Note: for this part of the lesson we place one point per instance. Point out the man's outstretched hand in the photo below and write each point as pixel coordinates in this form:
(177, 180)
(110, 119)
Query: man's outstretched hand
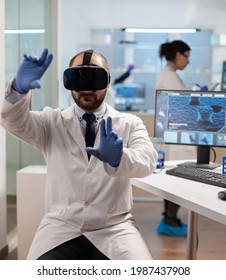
(30, 72)
(110, 148)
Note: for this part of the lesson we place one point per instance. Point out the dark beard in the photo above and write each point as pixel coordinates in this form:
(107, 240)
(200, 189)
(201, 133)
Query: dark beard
(91, 106)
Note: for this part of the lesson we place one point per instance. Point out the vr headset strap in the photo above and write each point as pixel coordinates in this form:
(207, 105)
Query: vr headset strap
(87, 57)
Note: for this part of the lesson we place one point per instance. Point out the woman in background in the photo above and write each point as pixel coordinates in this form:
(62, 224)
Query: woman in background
(177, 55)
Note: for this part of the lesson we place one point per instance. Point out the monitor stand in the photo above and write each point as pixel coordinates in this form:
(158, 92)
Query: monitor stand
(203, 157)
(210, 165)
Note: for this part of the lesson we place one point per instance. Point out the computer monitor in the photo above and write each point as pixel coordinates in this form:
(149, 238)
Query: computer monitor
(129, 96)
(223, 77)
(192, 118)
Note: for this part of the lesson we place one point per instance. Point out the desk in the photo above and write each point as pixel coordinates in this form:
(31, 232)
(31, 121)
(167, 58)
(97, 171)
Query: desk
(197, 197)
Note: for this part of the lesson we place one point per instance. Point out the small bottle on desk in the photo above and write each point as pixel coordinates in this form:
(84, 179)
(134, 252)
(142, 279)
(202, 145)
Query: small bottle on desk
(161, 160)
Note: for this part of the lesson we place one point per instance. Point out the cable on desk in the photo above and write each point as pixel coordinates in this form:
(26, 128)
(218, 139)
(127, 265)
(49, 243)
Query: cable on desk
(214, 154)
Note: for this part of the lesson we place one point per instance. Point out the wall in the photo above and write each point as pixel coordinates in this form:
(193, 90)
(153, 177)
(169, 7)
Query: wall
(3, 242)
(79, 16)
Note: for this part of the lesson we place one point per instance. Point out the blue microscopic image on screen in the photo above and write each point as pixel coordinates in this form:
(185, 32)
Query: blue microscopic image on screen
(196, 113)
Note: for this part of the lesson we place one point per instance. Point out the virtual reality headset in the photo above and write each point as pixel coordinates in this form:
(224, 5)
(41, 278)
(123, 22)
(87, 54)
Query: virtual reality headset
(86, 77)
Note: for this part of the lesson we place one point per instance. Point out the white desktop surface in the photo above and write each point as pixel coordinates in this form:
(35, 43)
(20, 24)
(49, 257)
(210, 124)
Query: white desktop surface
(198, 197)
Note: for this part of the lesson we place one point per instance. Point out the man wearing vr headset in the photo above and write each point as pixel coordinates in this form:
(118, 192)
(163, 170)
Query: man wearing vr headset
(88, 198)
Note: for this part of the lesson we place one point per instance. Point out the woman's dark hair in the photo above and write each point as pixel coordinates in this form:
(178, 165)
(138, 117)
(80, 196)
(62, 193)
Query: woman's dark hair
(169, 49)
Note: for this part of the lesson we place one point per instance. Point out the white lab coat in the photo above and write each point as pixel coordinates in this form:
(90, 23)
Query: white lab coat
(84, 197)
(169, 79)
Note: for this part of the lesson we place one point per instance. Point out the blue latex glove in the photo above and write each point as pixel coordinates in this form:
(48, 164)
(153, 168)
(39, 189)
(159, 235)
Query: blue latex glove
(203, 88)
(110, 148)
(30, 72)
(130, 68)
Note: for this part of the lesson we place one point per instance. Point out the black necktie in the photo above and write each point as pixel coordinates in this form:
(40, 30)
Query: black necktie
(90, 129)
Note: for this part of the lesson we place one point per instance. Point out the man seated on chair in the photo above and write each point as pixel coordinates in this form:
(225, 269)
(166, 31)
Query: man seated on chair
(88, 190)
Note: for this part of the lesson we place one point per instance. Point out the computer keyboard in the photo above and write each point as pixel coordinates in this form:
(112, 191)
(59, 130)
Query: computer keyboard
(198, 174)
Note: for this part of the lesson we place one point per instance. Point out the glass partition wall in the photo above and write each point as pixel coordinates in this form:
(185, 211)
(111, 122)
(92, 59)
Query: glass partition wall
(29, 28)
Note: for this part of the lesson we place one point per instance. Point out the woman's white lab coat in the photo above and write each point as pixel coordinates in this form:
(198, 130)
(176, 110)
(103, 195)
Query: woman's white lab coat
(169, 79)
(84, 197)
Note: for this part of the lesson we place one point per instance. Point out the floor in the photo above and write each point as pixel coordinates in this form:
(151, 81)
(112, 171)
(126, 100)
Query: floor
(147, 212)
(211, 234)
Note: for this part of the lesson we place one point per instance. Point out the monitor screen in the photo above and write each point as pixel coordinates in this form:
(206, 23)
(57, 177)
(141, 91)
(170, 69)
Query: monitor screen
(192, 118)
(223, 78)
(129, 96)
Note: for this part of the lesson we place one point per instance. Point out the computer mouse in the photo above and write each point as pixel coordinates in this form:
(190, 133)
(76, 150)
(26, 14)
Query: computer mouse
(222, 195)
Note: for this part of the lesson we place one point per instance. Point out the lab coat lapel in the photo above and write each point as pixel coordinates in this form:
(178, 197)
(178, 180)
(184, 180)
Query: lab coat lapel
(73, 126)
